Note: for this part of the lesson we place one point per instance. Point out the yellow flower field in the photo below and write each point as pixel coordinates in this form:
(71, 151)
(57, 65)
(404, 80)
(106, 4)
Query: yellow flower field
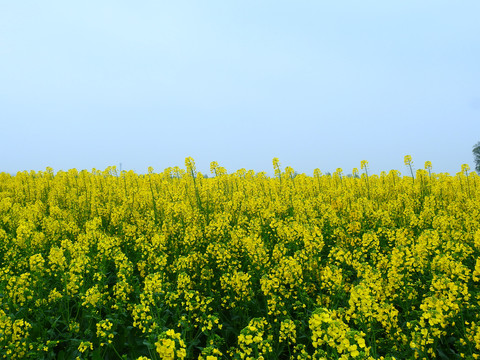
(173, 265)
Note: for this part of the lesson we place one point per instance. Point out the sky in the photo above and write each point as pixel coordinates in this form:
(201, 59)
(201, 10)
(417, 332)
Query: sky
(317, 84)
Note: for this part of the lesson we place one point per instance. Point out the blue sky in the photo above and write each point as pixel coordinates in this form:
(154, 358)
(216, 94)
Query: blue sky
(317, 84)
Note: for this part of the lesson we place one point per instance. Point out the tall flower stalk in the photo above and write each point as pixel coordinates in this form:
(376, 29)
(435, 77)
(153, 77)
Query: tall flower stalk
(364, 166)
(408, 162)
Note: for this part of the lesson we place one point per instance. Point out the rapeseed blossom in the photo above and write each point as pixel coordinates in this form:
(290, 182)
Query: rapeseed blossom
(173, 265)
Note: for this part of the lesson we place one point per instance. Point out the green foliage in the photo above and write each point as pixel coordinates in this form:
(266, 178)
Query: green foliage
(476, 156)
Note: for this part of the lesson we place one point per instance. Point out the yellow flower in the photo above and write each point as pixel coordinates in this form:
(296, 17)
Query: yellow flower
(84, 345)
(408, 160)
(37, 262)
(276, 167)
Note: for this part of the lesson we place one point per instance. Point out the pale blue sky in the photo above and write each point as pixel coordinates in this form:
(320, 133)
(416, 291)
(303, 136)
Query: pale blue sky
(89, 84)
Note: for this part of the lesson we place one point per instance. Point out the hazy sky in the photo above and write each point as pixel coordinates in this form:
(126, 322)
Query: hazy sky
(318, 84)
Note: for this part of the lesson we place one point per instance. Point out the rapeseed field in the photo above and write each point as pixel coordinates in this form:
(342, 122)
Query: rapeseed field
(173, 265)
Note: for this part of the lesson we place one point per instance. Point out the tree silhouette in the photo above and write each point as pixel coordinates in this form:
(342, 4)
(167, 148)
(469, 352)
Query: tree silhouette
(476, 156)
